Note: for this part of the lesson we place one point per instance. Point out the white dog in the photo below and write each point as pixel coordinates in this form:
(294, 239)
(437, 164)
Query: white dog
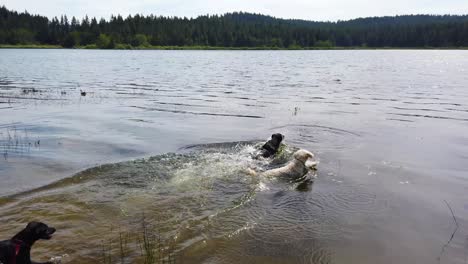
(295, 169)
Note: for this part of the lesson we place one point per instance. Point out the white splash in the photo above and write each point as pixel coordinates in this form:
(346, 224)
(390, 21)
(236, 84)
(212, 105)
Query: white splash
(58, 259)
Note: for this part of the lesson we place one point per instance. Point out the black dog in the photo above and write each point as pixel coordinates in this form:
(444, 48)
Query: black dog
(271, 146)
(18, 249)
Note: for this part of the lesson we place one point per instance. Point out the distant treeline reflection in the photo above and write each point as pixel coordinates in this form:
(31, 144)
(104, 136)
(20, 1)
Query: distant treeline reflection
(232, 30)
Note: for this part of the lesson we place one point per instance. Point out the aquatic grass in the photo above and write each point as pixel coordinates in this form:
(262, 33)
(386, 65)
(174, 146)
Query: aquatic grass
(106, 252)
(150, 247)
(153, 248)
(106, 249)
(149, 243)
(16, 141)
(123, 246)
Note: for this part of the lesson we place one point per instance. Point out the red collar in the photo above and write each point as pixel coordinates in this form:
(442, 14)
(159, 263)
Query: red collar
(18, 243)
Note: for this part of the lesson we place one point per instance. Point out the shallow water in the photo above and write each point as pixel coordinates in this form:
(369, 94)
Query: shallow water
(389, 129)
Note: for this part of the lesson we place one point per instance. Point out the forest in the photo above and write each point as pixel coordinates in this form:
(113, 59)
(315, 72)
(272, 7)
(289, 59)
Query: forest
(233, 30)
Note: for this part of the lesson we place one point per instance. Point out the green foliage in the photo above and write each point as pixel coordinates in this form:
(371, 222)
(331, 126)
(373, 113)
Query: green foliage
(22, 36)
(324, 44)
(90, 46)
(29, 46)
(233, 30)
(71, 40)
(294, 46)
(105, 42)
(123, 46)
(139, 40)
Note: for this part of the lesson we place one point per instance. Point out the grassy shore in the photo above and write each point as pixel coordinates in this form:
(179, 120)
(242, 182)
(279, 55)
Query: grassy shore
(129, 47)
(30, 46)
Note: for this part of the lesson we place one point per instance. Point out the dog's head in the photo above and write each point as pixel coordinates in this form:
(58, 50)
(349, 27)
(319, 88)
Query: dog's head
(277, 138)
(38, 230)
(303, 155)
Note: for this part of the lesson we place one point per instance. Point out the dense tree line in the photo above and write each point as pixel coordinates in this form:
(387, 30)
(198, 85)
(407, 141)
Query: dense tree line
(233, 30)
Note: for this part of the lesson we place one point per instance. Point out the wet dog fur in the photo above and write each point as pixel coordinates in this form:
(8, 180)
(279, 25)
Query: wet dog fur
(270, 148)
(295, 169)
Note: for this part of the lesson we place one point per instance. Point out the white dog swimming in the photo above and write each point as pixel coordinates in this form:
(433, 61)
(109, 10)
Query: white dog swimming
(295, 169)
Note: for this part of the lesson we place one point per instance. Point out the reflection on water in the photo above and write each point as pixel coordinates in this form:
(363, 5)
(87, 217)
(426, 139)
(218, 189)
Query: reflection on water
(389, 128)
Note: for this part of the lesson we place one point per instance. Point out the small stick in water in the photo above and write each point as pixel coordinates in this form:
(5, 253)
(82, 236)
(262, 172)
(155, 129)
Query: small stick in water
(453, 234)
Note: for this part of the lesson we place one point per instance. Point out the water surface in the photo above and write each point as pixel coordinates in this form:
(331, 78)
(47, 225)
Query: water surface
(176, 129)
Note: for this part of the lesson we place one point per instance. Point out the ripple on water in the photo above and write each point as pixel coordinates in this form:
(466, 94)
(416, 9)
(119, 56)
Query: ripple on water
(184, 193)
(204, 199)
(430, 116)
(332, 138)
(195, 113)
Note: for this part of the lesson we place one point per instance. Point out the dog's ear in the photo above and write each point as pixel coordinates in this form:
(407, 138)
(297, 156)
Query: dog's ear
(303, 155)
(32, 225)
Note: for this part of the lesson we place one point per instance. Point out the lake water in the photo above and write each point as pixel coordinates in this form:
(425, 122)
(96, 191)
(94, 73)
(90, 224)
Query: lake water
(176, 129)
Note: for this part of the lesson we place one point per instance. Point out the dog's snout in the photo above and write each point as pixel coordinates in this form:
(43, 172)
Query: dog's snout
(51, 230)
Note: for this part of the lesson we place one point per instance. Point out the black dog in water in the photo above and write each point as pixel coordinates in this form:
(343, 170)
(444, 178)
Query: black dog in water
(271, 146)
(18, 249)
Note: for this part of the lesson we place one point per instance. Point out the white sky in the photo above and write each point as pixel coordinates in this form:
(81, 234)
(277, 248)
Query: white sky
(303, 9)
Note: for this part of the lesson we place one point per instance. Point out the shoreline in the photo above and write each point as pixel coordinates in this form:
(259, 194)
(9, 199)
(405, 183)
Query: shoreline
(92, 47)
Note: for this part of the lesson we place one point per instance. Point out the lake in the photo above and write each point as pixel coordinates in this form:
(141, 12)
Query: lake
(129, 151)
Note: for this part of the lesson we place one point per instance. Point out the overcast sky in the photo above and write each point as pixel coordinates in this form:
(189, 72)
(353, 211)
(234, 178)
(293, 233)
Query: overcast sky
(303, 9)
